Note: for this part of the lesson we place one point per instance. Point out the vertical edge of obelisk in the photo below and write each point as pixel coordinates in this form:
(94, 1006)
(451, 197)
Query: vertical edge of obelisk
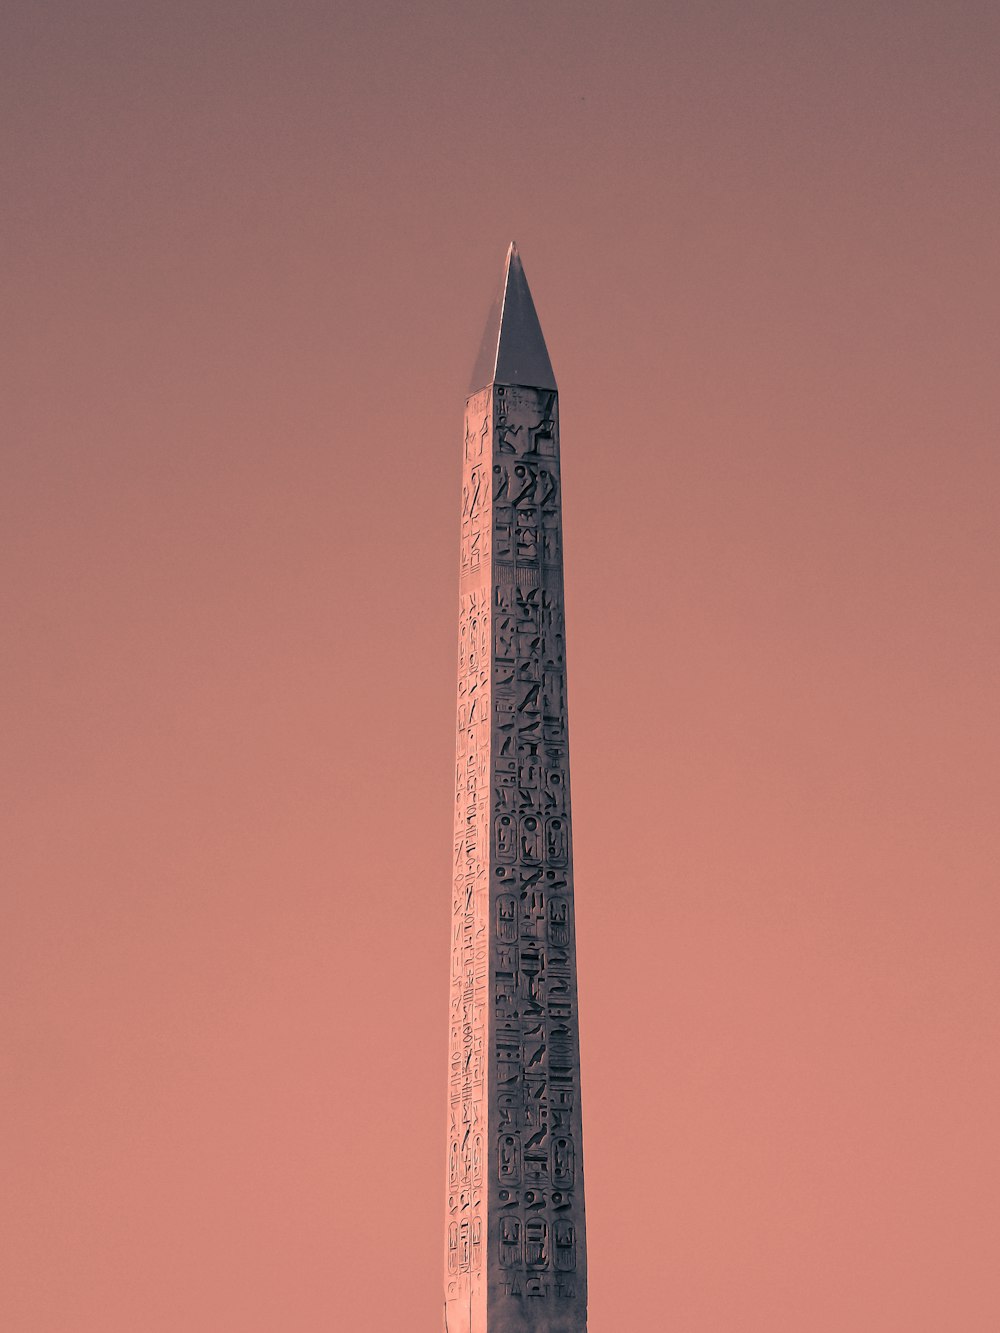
(483, 406)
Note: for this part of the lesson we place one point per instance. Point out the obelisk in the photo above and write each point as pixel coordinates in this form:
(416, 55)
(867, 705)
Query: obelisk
(516, 1258)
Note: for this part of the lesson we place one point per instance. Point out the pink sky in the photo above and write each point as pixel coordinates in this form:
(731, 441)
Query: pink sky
(248, 251)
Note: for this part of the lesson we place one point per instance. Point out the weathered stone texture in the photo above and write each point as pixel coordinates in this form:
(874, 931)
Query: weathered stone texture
(515, 1242)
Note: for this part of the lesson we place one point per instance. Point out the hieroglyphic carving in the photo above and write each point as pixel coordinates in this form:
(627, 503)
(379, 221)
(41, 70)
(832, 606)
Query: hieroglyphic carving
(516, 1255)
(538, 1259)
(467, 1110)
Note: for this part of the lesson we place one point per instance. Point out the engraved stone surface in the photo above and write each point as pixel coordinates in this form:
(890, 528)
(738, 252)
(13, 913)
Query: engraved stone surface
(515, 1246)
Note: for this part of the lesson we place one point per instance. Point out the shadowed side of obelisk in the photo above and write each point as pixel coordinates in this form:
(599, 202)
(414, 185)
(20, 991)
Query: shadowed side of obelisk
(515, 1129)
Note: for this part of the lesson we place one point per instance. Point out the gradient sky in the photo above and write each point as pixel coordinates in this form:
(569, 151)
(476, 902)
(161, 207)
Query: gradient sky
(247, 254)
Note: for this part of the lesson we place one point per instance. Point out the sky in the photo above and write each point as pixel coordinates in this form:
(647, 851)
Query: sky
(247, 253)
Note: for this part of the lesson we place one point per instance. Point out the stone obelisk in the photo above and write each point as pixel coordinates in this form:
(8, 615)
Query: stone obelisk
(515, 1250)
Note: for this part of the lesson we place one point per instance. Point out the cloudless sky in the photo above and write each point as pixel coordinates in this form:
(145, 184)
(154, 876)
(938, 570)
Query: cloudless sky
(247, 250)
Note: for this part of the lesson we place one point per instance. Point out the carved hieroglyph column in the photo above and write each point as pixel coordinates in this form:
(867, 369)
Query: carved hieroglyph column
(515, 1250)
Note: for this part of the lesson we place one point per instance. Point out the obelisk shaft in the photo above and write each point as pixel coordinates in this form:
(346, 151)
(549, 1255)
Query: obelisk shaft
(516, 1252)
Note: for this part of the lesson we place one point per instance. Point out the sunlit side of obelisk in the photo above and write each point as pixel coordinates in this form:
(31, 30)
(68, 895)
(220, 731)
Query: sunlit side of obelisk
(515, 1247)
